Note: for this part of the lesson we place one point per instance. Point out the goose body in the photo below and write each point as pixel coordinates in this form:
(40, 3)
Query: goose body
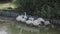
(36, 22)
(47, 23)
(41, 19)
(22, 18)
(19, 18)
(30, 20)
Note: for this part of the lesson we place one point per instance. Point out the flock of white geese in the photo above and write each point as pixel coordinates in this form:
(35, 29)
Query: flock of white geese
(24, 18)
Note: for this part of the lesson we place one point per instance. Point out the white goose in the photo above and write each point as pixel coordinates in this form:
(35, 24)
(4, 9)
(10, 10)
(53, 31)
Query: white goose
(41, 19)
(22, 18)
(46, 23)
(25, 16)
(30, 21)
(19, 18)
(38, 21)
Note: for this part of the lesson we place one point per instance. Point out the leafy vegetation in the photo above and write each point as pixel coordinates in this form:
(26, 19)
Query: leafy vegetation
(43, 8)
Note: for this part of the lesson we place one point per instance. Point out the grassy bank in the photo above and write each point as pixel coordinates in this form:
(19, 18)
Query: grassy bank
(13, 30)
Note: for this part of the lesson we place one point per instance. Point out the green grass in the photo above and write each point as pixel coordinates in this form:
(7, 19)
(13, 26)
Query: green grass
(13, 30)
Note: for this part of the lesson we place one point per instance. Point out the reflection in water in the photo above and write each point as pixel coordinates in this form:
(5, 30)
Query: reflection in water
(28, 28)
(3, 30)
